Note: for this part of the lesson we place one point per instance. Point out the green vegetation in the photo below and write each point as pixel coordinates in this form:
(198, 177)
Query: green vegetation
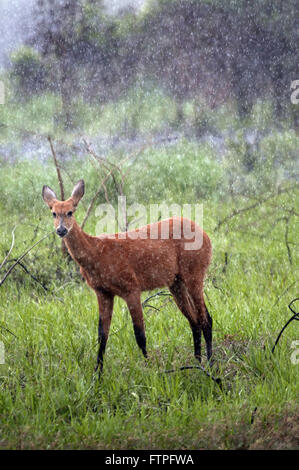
(28, 72)
(192, 100)
(220, 52)
(145, 110)
(49, 395)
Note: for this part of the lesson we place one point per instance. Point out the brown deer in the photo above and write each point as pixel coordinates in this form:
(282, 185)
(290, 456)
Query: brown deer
(127, 263)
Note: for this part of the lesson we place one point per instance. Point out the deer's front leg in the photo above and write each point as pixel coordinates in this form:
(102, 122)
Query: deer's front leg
(105, 301)
(135, 308)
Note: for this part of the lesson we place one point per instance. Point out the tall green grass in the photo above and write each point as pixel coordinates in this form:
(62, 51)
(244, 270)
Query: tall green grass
(50, 396)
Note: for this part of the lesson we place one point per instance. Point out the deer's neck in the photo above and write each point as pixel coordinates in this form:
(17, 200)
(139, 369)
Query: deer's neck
(80, 247)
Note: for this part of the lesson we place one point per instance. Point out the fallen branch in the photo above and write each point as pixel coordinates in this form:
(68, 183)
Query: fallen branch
(295, 316)
(215, 379)
(158, 294)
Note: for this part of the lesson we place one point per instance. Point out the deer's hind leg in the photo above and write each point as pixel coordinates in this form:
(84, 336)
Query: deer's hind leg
(195, 289)
(105, 301)
(135, 308)
(185, 304)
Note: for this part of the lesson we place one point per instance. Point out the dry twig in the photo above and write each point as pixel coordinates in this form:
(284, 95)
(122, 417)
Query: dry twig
(57, 169)
(21, 257)
(112, 168)
(295, 316)
(11, 247)
(256, 204)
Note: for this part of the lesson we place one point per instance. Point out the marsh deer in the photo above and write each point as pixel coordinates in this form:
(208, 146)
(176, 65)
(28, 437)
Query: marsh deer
(125, 264)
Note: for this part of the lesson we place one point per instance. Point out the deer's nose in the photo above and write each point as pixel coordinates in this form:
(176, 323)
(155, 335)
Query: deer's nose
(61, 231)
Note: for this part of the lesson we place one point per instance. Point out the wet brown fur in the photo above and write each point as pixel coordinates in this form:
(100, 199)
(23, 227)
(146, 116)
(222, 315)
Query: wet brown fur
(118, 265)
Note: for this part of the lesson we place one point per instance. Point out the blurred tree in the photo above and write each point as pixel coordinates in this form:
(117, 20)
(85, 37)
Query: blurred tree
(28, 72)
(110, 57)
(234, 49)
(56, 37)
(204, 50)
(263, 51)
(89, 52)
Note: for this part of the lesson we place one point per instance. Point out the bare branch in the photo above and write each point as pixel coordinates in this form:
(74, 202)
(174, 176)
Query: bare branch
(115, 168)
(30, 274)
(295, 316)
(158, 294)
(57, 168)
(286, 238)
(63, 246)
(92, 202)
(21, 257)
(11, 247)
(257, 203)
(215, 379)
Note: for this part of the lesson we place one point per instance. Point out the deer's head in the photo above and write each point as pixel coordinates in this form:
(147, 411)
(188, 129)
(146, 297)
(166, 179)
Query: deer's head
(63, 211)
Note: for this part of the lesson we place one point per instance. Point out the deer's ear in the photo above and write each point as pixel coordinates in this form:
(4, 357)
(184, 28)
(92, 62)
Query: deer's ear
(49, 196)
(78, 192)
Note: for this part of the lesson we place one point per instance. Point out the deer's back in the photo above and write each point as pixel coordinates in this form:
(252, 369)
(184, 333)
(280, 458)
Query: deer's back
(153, 255)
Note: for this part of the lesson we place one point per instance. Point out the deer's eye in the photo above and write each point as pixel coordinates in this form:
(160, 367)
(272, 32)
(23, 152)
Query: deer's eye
(69, 214)
(54, 214)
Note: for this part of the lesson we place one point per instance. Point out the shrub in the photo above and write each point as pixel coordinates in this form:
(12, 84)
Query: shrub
(185, 172)
(28, 72)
